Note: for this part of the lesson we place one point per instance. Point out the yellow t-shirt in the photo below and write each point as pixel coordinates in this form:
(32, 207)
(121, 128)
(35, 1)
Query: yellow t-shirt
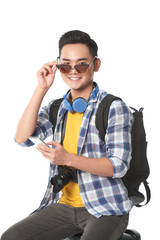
(70, 193)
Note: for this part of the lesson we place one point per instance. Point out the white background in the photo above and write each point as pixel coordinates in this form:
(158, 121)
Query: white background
(128, 36)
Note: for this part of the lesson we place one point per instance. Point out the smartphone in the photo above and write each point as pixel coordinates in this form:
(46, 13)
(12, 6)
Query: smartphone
(38, 140)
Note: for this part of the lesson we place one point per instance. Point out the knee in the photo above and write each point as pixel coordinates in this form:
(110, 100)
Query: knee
(11, 234)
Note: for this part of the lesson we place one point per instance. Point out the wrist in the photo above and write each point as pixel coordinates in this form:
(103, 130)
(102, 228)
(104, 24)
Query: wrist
(41, 91)
(70, 159)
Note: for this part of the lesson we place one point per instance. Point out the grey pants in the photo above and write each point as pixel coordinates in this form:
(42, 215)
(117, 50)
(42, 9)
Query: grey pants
(59, 221)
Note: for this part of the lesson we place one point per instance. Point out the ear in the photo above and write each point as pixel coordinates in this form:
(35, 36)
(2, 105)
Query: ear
(97, 64)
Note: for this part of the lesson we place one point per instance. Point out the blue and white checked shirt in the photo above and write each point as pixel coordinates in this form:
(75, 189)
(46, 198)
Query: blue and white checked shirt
(100, 195)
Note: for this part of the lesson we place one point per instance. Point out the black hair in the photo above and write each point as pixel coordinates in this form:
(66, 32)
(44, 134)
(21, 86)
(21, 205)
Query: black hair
(76, 36)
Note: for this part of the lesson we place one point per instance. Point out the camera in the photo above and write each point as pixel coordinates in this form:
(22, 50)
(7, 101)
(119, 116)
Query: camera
(64, 176)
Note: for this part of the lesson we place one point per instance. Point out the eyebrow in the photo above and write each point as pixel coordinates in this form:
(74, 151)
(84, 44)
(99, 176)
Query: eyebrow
(79, 59)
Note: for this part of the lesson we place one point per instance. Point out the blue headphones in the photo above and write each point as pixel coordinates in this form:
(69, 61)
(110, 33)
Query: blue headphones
(79, 104)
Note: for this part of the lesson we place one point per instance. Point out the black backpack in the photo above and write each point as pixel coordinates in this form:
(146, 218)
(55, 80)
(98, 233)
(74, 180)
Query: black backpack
(139, 168)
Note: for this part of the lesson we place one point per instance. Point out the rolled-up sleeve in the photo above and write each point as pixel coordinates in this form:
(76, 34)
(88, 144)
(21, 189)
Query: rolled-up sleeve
(118, 137)
(43, 126)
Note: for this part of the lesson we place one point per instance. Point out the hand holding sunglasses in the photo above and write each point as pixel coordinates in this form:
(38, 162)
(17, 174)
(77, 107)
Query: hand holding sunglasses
(80, 68)
(46, 74)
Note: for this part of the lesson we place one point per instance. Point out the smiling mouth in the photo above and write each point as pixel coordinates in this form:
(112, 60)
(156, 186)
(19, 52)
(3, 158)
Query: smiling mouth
(74, 78)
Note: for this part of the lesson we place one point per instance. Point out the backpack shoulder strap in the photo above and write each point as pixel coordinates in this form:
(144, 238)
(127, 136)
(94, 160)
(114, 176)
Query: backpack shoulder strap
(102, 114)
(148, 193)
(54, 111)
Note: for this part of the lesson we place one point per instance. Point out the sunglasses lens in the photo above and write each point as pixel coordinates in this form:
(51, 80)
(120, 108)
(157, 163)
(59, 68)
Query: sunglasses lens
(81, 68)
(64, 68)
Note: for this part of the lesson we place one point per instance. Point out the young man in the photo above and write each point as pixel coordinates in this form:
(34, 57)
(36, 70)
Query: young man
(97, 204)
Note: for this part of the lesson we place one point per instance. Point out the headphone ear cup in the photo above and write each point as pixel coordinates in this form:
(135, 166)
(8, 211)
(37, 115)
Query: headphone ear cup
(79, 105)
(68, 106)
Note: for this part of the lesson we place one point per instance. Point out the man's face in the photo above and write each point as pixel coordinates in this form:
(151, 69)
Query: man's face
(73, 54)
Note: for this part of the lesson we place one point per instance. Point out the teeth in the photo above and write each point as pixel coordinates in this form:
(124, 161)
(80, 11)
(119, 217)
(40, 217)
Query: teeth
(74, 79)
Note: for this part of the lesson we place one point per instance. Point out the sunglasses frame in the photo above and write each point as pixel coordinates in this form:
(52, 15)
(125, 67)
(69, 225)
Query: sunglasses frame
(75, 66)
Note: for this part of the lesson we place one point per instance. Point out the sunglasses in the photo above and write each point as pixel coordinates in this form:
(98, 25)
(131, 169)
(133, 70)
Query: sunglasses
(80, 68)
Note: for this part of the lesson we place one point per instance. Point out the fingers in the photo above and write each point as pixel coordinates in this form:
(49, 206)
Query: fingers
(47, 68)
(55, 155)
(44, 148)
(46, 151)
(46, 74)
(51, 64)
(53, 143)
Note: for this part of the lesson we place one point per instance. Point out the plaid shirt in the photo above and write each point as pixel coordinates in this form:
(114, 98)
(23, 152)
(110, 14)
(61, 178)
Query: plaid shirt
(100, 195)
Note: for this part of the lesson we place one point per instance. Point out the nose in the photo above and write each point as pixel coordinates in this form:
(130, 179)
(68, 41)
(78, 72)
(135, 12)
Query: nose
(73, 70)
